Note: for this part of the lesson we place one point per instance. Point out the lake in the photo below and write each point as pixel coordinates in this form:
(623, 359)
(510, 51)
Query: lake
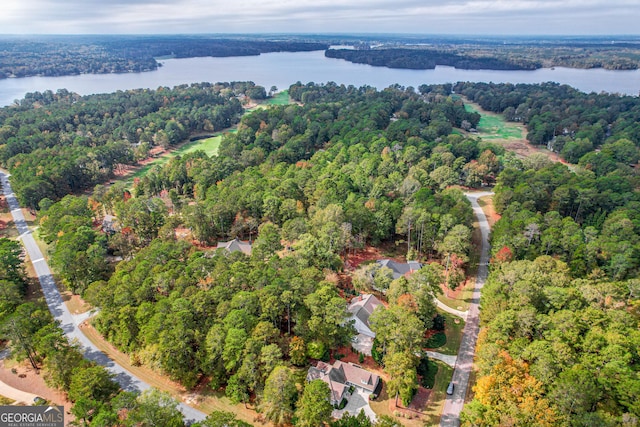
(284, 68)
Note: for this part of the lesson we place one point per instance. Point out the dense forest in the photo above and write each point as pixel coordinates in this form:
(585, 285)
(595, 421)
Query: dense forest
(494, 53)
(560, 309)
(596, 131)
(426, 59)
(97, 398)
(60, 143)
(308, 184)
(312, 182)
(22, 56)
(70, 55)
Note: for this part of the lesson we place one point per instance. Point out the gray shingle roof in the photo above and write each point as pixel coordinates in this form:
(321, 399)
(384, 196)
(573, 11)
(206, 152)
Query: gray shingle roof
(362, 307)
(399, 269)
(339, 374)
(236, 245)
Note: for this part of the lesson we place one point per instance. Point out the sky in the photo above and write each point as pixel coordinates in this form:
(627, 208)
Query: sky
(478, 17)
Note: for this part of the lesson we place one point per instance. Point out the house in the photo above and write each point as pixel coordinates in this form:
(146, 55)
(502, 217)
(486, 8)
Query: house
(236, 245)
(109, 224)
(361, 308)
(400, 269)
(341, 376)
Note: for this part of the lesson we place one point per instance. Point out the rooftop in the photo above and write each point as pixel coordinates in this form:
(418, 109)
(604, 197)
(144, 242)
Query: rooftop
(362, 307)
(400, 269)
(236, 245)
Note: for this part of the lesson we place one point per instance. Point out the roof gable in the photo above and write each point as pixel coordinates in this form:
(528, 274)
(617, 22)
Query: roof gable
(333, 377)
(236, 245)
(338, 375)
(362, 307)
(356, 375)
(400, 269)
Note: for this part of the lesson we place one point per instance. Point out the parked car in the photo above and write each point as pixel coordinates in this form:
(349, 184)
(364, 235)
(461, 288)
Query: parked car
(39, 401)
(450, 388)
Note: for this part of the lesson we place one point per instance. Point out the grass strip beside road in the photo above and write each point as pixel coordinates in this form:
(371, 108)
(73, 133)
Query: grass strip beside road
(486, 203)
(453, 331)
(436, 400)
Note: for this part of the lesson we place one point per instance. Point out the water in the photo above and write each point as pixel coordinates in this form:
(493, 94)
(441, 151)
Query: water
(283, 69)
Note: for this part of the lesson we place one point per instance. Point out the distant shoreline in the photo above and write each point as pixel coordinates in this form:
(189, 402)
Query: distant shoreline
(57, 56)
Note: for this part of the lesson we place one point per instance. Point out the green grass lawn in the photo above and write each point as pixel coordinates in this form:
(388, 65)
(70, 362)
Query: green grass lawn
(209, 145)
(453, 331)
(462, 302)
(494, 126)
(436, 401)
(146, 168)
(280, 98)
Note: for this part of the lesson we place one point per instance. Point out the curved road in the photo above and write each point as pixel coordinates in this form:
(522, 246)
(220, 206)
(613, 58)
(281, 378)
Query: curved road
(464, 364)
(60, 312)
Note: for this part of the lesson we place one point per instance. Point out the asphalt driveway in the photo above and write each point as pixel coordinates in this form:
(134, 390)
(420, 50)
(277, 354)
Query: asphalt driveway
(358, 401)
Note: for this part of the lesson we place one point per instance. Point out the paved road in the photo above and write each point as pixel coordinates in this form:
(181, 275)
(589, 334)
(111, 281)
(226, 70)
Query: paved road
(453, 404)
(60, 312)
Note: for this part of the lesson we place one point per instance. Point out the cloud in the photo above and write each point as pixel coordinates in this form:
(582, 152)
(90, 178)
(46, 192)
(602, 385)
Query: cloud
(402, 16)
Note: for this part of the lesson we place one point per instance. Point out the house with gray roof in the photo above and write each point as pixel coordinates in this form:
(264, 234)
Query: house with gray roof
(361, 307)
(340, 376)
(236, 245)
(400, 269)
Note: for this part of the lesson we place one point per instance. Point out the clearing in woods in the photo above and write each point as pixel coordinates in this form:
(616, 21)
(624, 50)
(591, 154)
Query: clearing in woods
(512, 136)
(493, 126)
(209, 145)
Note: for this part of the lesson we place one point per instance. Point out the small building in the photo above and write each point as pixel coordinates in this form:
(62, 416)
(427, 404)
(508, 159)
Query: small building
(400, 269)
(361, 308)
(109, 225)
(341, 376)
(235, 245)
